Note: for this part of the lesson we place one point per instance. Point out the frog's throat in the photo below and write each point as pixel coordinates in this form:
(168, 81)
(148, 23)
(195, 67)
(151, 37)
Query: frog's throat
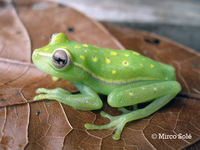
(110, 81)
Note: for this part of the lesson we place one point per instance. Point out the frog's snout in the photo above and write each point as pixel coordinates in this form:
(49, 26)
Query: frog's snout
(35, 56)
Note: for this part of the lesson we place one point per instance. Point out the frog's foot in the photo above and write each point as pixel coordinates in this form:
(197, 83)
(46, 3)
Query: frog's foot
(116, 122)
(54, 94)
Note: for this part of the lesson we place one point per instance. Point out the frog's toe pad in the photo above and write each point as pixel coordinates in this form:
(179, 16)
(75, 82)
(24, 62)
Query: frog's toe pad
(38, 97)
(90, 126)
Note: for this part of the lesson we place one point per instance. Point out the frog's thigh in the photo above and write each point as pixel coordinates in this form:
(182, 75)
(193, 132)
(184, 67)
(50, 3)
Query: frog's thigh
(142, 92)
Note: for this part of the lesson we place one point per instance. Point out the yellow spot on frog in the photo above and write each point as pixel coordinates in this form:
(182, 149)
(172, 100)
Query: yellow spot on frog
(143, 59)
(63, 47)
(135, 53)
(151, 65)
(95, 51)
(125, 63)
(82, 57)
(113, 53)
(113, 71)
(46, 49)
(85, 45)
(126, 55)
(77, 46)
(141, 65)
(94, 59)
(155, 89)
(131, 93)
(107, 60)
(166, 78)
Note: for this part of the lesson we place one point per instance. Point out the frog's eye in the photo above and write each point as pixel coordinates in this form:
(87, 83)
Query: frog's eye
(52, 36)
(60, 59)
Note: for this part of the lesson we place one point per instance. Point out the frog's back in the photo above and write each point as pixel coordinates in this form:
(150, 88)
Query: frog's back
(118, 67)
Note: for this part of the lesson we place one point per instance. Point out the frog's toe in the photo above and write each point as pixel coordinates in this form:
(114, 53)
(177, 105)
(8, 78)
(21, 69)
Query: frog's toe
(121, 121)
(47, 96)
(90, 126)
(38, 97)
(98, 127)
(123, 110)
(106, 115)
(58, 91)
(41, 90)
(116, 125)
(35, 98)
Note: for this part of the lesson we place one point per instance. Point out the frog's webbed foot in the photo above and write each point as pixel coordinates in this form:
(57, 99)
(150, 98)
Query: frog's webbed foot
(116, 122)
(55, 94)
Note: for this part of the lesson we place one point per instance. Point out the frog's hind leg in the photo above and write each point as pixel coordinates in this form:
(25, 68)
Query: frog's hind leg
(160, 93)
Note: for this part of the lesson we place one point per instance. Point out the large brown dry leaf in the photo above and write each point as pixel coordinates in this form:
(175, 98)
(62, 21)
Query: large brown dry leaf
(50, 125)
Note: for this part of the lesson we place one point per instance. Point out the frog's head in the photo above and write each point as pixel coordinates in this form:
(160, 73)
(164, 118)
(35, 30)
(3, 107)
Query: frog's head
(55, 59)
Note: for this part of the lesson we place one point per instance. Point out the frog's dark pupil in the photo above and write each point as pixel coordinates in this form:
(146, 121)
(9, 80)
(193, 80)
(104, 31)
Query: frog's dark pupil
(59, 60)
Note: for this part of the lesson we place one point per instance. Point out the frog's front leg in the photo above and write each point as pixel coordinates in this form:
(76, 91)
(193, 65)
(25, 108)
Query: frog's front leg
(87, 100)
(159, 92)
